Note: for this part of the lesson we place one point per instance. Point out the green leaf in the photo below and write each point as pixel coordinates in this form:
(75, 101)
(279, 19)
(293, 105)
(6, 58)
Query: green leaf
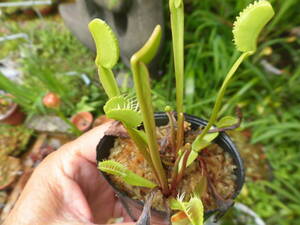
(200, 144)
(193, 209)
(140, 139)
(107, 55)
(115, 102)
(197, 146)
(190, 87)
(126, 110)
(177, 27)
(201, 186)
(149, 50)
(143, 91)
(174, 204)
(129, 117)
(112, 167)
(177, 3)
(136, 180)
(141, 136)
(227, 121)
(115, 168)
(123, 109)
(250, 23)
(192, 157)
(106, 42)
(108, 82)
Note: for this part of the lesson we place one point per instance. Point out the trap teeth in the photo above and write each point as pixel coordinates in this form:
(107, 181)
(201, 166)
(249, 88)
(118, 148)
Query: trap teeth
(249, 24)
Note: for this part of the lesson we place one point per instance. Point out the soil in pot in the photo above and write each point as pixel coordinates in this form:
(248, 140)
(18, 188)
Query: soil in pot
(214, 168)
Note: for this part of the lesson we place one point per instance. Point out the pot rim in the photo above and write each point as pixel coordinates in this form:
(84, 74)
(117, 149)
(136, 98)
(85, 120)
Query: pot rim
(84, 115)
(9, 112)
(222, 138)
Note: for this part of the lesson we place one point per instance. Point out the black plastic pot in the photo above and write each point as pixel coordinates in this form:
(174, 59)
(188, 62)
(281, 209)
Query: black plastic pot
(135, 207)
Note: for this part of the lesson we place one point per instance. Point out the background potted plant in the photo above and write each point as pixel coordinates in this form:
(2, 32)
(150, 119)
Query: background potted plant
(35, 99)
(10, 112)
(82, 120)
(183, 142)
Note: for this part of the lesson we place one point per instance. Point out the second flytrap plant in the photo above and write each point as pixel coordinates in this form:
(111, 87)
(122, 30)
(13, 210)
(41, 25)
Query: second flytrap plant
(133, 112)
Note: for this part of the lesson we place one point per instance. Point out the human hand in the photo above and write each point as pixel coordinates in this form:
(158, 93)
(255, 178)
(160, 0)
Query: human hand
(66, 188)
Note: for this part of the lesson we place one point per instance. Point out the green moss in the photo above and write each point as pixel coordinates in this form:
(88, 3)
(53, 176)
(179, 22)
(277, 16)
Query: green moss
(14, 139)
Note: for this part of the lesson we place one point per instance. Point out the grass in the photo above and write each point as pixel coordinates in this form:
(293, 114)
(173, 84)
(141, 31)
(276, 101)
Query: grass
(53, 60)
(270, 103)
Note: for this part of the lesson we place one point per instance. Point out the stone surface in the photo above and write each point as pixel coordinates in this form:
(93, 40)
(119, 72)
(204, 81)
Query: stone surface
(76, 18)
(47, 124)
(133, 26)
(114, 5)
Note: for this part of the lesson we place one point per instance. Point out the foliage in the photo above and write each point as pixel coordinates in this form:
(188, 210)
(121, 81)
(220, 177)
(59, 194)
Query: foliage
(193, 209)
(115, 168)
(246, 29)
(269, 102)
(254, 17)
(177, 25)
(40, 59)
(13, 139)
(106, 42)
(250, 23)
(143, 91)
(30, 99)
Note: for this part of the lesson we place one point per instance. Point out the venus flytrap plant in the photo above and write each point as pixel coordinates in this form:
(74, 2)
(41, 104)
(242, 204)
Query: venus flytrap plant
(190, 212)
(119, 107)
(247, 28)
(177, 25)
(143, 92)
(115, 168)
(108, 53)
(126, 110)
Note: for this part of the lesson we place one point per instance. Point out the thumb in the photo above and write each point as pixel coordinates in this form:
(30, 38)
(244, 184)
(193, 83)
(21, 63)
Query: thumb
(93, 224)
(86, 144)
(124, 223)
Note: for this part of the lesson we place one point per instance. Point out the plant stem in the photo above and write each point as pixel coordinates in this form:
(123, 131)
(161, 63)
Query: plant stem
(177, 25)
(143, 91)
(142, 148)
(74, 129)
(108, 82)
(180, 131)
(174, 177)
(184, 162)
(172, 127)
(221, 93)
(176, 174)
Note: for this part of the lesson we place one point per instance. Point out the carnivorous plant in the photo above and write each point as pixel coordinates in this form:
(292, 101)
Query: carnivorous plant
(133, 112)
